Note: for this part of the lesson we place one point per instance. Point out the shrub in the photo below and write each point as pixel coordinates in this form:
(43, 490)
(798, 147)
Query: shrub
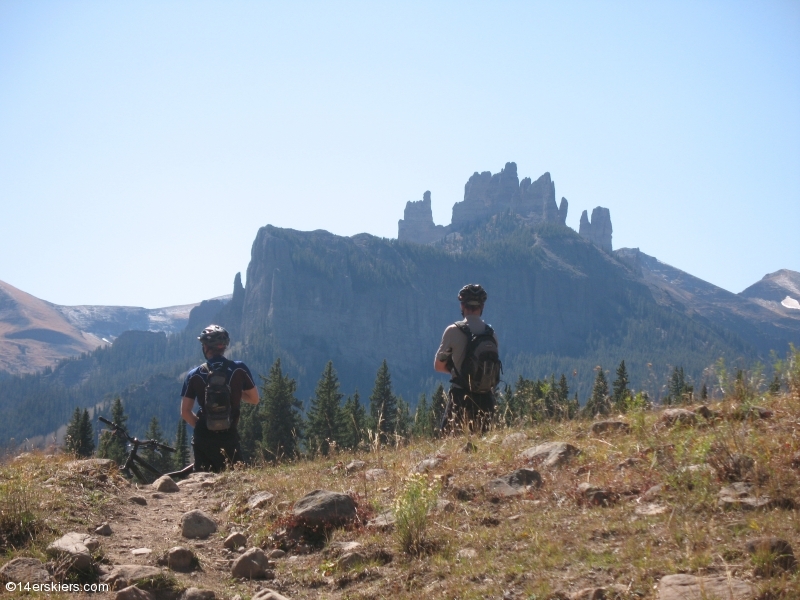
(19, 514)
(411, 508)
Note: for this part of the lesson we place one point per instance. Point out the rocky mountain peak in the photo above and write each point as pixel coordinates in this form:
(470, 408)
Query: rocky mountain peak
(599, 229)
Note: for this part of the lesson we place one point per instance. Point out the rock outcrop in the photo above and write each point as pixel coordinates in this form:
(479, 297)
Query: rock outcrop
(417, 223)
(598, 230)
(486, 195)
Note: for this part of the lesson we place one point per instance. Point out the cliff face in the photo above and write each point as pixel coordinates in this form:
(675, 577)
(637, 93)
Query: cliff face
(486, 195)
(598, 230)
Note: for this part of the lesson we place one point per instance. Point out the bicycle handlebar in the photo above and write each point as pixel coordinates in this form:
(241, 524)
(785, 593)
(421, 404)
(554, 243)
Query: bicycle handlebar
(119, 430)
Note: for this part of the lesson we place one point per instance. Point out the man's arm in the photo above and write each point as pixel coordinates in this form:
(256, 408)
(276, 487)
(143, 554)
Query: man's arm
(187, 404)
(442, 359)
(440, 366)
(250, 396)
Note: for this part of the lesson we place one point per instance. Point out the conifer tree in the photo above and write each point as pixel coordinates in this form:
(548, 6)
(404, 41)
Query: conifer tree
(87, 435)
(678, 389)
(423, 422)
(182, 456)
(355, 422)
(383, 404)
(704, 392)
(325, 421)
(160, 460)
(438, 406)
(621, 393)
(250, 431)
(563, 389)
(72, 440)
(598, 403)
(402, 422)
(282, 424)
(113, 446)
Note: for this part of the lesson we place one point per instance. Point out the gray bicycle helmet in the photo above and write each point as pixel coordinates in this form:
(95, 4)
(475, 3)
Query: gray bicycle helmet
(215, 336)
(472, 294)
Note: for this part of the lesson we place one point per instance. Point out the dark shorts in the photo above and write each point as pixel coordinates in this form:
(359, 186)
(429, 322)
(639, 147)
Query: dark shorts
(215, 450)
(468, 411)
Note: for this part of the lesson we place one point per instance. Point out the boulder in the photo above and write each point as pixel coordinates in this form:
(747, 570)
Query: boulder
(773, 555)
(596, 495)
(742, 495)
(235, 540)
(140, 500)
(602, 427)
(24, 570)
(181, 559)
(689, 587)
(276, 553)
(133, 593)
(324, 509)
(104, 529)
(268, 594)
(259, 500)
(197, 524)
(76, 547)
(253, 564)
(467, 553)
(166, 485)
(345, 547)
(705, 412)
(123, 576)
(673, 416)
(550, 454)
(383, 522)
(513, 483)
(350, 560)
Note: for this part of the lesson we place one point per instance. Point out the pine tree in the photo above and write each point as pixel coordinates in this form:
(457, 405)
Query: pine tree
(182, 456)
(402, 422)
(250, 431)
(423, 423)
(86, 434)
(282, 424)
(72, 440)
(383, 404)
(438, 406)
(160, 460)
(598, 403)
(677, 387)
(704, 392)
(621, 392)
(325, 422)
(775, 385)
(113, 446)
(355, 422)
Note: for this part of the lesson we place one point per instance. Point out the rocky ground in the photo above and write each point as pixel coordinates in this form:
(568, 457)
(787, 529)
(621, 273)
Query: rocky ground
(697, 502)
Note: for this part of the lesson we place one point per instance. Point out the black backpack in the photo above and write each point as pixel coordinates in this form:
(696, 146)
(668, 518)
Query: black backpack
(217, 409)
(480, 371)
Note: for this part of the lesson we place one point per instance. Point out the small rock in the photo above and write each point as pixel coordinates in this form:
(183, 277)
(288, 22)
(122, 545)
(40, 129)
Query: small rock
(181, 559)
(672, 416)
(24, 570)
(284, 505)
(259, 500)
(197, 524)
(383, 522)
(689, 587)
(444, 506)
(610, 426)
(514, 439)
(276, 553)
(774, 555)
(739, 495)
(628, 463)
(104, 529)
(344, 547)
(653, 492)
(268, 594)
(323, 508)
(140, 500)
(705, 412)
(467, 553)
(141, 551)
(253, 564)
(350, 560)
(550, 454)
(650, 509)
(194, 593)
(133, 593)
(235, 540)
(596, 495)
(375, 474)
(611, 592)
(355, 465)
(469, 448)
(429, 464)
(123, 576)
(166, 484)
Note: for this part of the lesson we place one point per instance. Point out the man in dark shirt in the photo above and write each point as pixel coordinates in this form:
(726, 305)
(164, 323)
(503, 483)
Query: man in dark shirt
(214, 449)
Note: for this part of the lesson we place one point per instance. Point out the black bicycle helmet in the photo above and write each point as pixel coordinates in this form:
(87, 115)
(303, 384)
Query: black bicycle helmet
(472, 294)
(215, 336)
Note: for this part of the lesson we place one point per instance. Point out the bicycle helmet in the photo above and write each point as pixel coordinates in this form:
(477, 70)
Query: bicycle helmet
(215, 336)
(472, 294)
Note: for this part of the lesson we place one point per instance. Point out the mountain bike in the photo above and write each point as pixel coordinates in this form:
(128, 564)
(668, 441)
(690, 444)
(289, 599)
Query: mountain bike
(133, 461)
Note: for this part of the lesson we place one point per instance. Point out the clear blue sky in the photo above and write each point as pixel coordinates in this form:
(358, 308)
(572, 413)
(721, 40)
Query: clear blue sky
(142, 144)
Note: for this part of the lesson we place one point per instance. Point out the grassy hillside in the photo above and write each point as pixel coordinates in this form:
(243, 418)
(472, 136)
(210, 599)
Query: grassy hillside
(549, 541)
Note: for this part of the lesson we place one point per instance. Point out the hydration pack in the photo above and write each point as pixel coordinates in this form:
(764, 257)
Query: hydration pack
(217, 409)
(480, 371)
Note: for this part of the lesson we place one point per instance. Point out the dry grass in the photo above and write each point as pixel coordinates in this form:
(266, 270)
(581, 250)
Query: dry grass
(548, 540)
